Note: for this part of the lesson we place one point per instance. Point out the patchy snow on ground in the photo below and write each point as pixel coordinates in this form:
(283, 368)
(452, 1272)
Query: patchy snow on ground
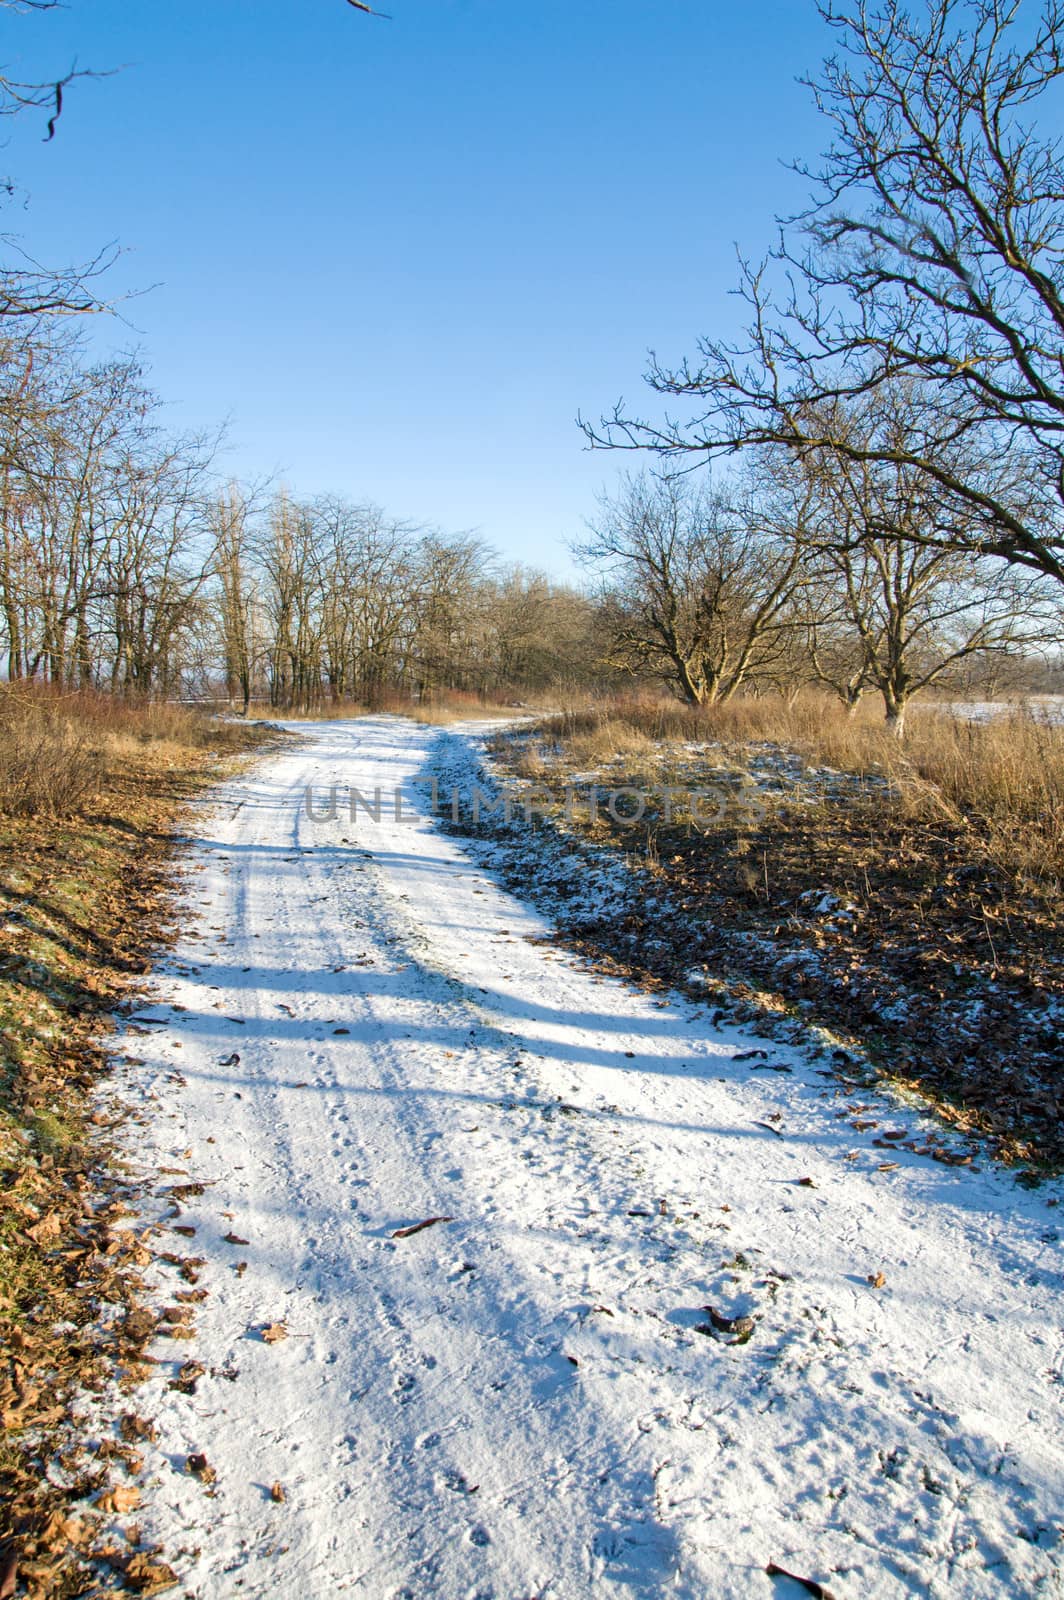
(678, 1318)
(1042, 707)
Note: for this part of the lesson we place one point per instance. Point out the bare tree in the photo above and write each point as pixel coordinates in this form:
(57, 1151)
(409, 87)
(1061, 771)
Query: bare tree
(99, 520)
(543, 633)
(450, 639)
(158, 560)
(232, 533)
(933, 251)
(693, 594)
(903, 616)
(887, 610)
(368, 597)
(289, 557)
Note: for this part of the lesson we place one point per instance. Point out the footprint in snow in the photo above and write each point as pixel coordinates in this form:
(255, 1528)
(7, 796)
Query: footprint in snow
(405, 1384)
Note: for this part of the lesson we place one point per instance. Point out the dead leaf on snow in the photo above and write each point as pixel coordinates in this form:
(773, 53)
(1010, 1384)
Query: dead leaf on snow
(188, 1375)
(418, 1227)
(149, 1577)
(120, 1500)
(132, 1428)
(273, 1332)
(877, 1279)
(741, 1328)
(277, 1494)
(810, 1585)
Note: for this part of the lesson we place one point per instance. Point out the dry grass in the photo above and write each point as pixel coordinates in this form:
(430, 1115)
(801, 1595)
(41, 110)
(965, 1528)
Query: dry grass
(905, 895)
(437, 710)
(1004, 777)
(91, 793)
(60, 749)
(451, 705)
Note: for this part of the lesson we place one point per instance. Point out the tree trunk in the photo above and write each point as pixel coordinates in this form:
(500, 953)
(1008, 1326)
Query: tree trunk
(896, 718)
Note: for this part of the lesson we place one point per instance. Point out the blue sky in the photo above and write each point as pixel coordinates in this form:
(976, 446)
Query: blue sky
(400, 256)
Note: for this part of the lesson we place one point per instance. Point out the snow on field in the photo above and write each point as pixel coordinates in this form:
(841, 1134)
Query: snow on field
(1047, 708)
(359, 1031)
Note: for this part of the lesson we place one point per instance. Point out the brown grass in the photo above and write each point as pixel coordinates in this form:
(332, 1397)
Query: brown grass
(905, 895)
(445, 706)
(1004, 778)
(91, 794)
(59, 749)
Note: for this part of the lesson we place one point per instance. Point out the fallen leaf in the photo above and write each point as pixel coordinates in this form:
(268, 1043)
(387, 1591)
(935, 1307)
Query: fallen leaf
(273, 1332)
(120, 1500)
(417, 1227)
(741, 1327)
(148, 1576)
(234, 1238)
(877, 1279)
(277, 1494)
(188, 1374)
(132, 1428)
(810, 1585)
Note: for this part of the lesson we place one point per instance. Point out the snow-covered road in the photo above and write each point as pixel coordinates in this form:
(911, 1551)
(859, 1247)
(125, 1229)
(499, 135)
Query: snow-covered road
(359, 1030)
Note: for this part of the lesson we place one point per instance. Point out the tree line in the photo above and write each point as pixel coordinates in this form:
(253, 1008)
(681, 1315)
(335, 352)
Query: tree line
(889, 517)
(126, 564)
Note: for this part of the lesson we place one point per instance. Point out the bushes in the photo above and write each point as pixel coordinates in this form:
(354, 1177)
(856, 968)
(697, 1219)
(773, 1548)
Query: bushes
(49, 764)
(57, 750)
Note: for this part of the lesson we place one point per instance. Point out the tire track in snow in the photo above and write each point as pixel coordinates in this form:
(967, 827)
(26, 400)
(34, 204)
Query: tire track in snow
(518, 1402)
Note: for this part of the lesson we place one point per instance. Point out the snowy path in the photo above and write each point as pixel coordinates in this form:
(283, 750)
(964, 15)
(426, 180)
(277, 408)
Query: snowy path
(516, 1403)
